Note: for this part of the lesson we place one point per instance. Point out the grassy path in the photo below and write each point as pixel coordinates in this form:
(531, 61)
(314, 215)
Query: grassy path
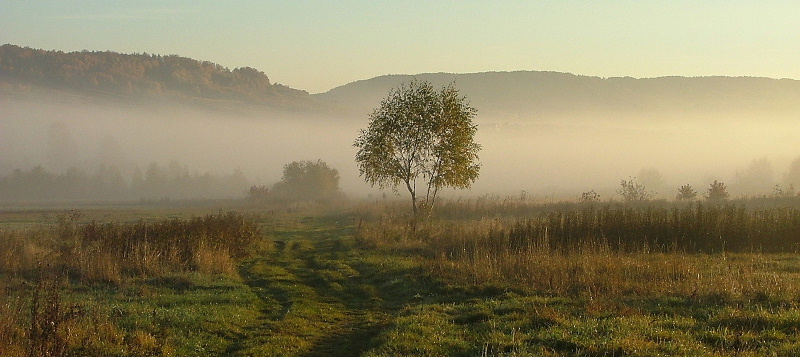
(321, 295)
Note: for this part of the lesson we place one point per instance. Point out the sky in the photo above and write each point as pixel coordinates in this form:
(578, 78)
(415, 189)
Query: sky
(319, 45)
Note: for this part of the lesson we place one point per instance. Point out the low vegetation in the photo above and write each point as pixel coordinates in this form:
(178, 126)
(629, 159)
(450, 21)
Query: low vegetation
(79, 288)
(111, 252)
(634, 248)
(485, 277)
(596, 282)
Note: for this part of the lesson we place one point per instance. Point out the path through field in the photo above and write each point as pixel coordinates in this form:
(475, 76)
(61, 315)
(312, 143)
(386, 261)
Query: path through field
(321, 295)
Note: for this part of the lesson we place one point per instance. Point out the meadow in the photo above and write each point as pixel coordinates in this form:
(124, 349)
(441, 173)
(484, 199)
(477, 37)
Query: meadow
(482, 277)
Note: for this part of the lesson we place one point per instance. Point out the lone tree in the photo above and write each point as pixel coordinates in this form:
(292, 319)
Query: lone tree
(422, 136)
(717, 192)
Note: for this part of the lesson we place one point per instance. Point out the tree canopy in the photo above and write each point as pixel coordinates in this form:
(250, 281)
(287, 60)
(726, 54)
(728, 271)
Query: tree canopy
(308, 181)
(420, 137)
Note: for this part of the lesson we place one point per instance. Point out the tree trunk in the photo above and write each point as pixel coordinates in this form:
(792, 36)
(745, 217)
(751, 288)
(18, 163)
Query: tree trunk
(413, 193)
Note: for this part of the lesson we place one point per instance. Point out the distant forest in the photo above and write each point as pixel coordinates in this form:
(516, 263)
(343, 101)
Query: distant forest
(106, 183)
(517, 94)
(146, 75)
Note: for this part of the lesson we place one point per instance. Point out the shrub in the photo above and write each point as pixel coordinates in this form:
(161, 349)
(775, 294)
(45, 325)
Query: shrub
(633, 191)
(258, 192)
(717, 192)
(308, 181)
(589, 197)
(686, 193)
(779, 191)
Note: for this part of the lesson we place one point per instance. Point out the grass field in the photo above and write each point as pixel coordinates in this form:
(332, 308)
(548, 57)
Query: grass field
(480, 279)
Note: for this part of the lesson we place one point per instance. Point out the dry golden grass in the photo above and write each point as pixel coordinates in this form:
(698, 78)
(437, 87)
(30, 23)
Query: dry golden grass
(11, 330)
(111, 252)
(19, 253)
(486, 252)
(208, 260)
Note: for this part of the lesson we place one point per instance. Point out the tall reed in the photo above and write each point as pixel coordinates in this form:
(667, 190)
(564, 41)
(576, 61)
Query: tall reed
(109, 252)
(692, 251)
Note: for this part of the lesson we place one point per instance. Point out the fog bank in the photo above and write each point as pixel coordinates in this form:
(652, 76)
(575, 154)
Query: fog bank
(547, 157)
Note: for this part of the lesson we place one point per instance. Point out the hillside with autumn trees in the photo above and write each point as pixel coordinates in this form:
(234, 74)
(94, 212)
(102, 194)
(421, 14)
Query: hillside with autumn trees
(141, 76)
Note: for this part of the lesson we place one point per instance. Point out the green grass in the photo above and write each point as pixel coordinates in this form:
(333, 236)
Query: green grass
(329, 290)
(326, 296)
(189, 314)
(511, 324)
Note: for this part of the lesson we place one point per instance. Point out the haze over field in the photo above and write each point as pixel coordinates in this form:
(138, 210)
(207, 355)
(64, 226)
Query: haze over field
(722, 113)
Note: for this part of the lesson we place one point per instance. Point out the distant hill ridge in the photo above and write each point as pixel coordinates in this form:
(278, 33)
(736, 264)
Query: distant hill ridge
(518, 94)
(140, 75)
(553, 93)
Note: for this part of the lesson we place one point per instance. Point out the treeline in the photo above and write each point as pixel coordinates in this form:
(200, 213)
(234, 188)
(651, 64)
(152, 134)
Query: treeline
(302, 181)
(107, 183)
(140, 74)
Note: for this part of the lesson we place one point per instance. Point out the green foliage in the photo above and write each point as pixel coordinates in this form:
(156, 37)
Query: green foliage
(420, 134)
(308, 181)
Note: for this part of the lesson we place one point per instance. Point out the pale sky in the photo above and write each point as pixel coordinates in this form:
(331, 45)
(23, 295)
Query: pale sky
(318, 45)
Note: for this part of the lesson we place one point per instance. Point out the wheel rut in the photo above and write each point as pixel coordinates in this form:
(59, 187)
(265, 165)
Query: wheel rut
(322, 297)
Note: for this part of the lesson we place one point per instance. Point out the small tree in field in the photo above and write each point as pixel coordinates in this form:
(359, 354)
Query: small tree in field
(686, 193)
(792, 176)
(717, 192)
(422, 139)
(258, 192)
(590, 197)
(779, 191)
(307, 181)
(633, 191)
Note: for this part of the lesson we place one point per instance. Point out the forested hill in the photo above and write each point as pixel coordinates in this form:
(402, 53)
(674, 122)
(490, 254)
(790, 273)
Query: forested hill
(527, 94)
(141, 76)
(520, 94)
